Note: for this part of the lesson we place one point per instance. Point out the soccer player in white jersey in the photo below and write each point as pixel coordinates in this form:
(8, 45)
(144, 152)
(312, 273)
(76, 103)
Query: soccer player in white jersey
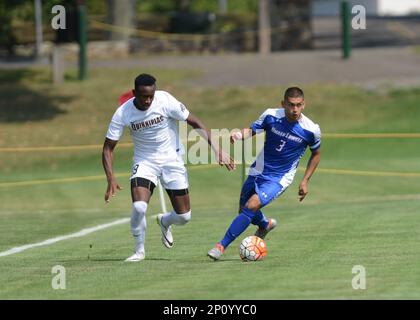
(288, 133)
(152, 117)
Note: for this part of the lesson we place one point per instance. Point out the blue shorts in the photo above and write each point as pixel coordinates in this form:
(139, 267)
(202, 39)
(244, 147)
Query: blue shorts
(267, 190)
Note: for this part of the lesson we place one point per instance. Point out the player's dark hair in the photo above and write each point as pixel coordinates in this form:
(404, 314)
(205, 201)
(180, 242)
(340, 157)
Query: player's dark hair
(293, 92)
(144, 79)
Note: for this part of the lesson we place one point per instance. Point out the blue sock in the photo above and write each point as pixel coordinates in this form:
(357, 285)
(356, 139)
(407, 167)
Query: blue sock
(238, 225)
(260, 220)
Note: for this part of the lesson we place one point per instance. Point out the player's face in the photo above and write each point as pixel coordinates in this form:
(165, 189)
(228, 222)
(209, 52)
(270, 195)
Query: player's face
(144, 95)
(293, 108)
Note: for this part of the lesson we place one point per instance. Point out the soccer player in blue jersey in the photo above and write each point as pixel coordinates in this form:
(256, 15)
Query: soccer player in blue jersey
(288, 133)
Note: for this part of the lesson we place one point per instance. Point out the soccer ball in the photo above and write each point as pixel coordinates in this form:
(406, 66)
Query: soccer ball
(252, 248)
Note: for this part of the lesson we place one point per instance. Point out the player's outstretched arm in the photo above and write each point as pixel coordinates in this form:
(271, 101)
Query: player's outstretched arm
(107, 160)
(222, 157)
(310, 169)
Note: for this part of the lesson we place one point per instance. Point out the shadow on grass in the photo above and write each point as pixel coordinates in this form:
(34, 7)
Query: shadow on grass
(19, 103)
(121, 259)
(221, 260)
(106, 259)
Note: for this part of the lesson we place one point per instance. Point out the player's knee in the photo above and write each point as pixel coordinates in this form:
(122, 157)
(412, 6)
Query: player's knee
(140, 207)
(139, 211)
(184, 217)
(253, 204)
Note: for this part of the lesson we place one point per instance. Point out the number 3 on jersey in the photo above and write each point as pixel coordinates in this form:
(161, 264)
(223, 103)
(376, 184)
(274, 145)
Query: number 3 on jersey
(281, 146)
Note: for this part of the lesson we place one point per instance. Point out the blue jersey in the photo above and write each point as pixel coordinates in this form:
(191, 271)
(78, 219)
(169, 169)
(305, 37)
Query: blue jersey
(285, 143)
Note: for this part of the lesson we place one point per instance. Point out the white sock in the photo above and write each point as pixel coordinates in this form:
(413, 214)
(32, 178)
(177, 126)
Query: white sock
(138, 225)
(172, 217)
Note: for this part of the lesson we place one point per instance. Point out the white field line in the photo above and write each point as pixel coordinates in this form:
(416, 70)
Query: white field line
(79, 234)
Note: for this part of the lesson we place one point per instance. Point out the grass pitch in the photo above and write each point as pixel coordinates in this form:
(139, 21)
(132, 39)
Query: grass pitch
(355, 214)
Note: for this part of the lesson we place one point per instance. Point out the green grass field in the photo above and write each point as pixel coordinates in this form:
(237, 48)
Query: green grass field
(362, 208)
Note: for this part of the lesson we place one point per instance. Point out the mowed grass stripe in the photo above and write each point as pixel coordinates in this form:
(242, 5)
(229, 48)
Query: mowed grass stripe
(127, 144)
(368, 173)
(202, 167)
(78, 179)
(61, 148)
(371, 135)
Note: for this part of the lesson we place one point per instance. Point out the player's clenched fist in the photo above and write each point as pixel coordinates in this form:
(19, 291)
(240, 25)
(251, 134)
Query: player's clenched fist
(303, 190)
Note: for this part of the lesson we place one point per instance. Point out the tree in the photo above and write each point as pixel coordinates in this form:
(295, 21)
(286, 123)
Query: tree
(7, 12)
(122, 13)
(264, 32)
(291, 22)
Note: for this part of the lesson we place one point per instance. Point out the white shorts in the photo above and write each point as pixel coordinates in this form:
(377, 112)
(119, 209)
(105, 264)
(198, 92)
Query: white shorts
(172, 174)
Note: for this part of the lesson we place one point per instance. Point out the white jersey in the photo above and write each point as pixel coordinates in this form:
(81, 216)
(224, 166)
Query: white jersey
(154, 131)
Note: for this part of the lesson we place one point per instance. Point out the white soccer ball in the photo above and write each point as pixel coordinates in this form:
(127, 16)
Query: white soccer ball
(252, 248)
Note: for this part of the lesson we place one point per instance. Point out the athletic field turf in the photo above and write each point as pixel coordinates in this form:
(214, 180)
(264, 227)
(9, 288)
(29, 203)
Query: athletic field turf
(362, 209)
